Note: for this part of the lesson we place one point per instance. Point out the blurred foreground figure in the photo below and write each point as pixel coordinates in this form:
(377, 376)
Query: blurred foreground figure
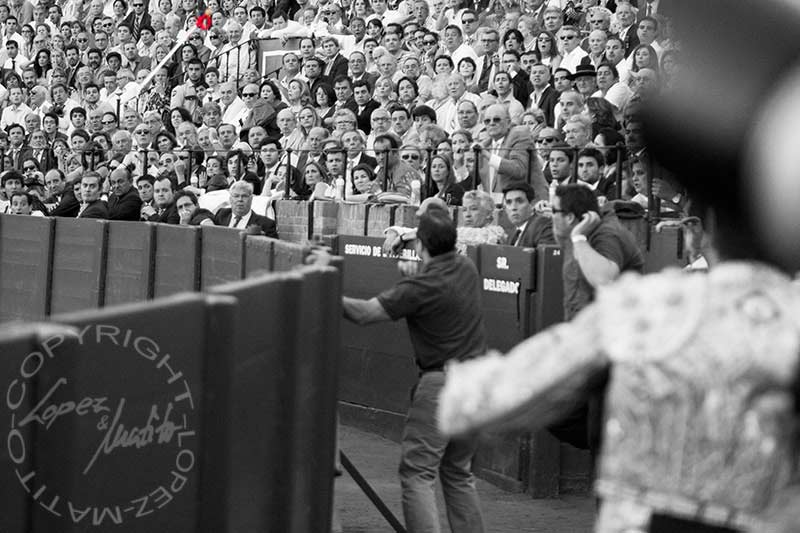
(700, 422)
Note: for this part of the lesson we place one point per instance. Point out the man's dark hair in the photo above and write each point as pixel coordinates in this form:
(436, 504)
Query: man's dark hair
(568, 150)
(12, 43)
(125, 25)
(650, 19)
(12, 175)
(437, 231)
(523, 186)
(272, 140)
(394, 144)
(512, 53)
(258, 9)
(72, 46)
(577, 199)
(340, 79)
(454, 27)
(15, 125)
(146, 177)
(424, 111)
(77, 111)
(83, 134)
(395, 28)
(113, 54)
(362, 83)
(26, 194)
(594, 153)
(147, 27)
(195, 61)
(189, 194)
(398, 107)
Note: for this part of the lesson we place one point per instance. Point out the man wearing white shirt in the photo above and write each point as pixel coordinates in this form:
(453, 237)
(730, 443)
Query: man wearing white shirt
(232, 105)
(16, 62)
(386, 15)
(505, 95)
(458, 50)
(647, 31)
(573, 53)
(447, 114)
(16, 111)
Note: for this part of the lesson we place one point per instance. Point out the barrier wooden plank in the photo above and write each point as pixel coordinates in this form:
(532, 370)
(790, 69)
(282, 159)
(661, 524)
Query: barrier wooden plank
(222, 257)
(258, 465)
(294, 219)
(324, 219)
(379, 217)
(177, 265)
(79, 262)
(136, 459)
(377, 374)
(25, 267)
(130, 262)
(257, 254)
(665, 249)
(352, 219)
(287, 255)
(316, 380)
(23, 349)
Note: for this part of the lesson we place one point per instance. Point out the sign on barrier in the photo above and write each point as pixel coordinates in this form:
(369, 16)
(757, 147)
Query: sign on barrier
(25, 267)
(24, 348)
(122, 421)
(130, 262)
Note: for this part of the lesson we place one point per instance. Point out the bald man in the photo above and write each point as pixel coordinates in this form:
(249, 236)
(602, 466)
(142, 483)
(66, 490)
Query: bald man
(508, 152)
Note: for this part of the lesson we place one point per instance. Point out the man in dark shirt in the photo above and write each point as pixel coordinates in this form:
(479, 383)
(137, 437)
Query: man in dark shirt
(532, 229)
(92, 206)
(595, 250)
(441, 305)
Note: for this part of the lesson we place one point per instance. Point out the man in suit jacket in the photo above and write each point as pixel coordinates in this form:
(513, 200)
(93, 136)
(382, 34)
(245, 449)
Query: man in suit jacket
(507, 153)
(240, 215)
(124, 202)
(60, 195)
(163, 210)
(626, 15)
(336, 64)
(138, 18)
(366, 105)
(92, 206)
(531, 229)
(544, 95)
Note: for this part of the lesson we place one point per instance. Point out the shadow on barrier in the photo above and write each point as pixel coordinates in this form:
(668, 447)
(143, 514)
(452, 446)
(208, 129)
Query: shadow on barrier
(79, 264)
(26, 250)
(130, 262)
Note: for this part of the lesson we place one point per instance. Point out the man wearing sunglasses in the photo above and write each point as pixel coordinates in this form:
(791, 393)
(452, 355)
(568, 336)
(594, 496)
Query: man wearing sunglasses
(570, 40)
(506, 153)
(138, 18)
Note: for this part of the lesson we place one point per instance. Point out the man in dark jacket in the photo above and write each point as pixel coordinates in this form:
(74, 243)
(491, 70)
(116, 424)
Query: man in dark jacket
(92, 206)
(124, 202)
(60, 195)
(240, 215)
(164, 209)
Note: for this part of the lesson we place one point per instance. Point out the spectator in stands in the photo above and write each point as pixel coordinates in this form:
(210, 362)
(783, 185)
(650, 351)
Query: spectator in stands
(59, 198)
(240, 215)
(92, 206)
(506, 154)
(532, 229)
(124, 202)
(190, 212)
(399, 175)
(578, 131)
(163, 209)
(22, 204)
(444, 181)
(12, 182)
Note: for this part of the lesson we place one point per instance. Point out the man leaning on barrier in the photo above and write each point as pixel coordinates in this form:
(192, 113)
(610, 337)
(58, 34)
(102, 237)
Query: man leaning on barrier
(441, 305)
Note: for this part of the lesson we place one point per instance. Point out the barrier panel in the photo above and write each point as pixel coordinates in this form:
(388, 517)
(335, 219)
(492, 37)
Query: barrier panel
(143, 458)
(316, 385)
(666, 247)
(294, 219)
(79, 262)
(260, 454)
(352, 219)
(25, 267)
(222, 257)
(324, 219)
(377, 365)
(130, 262)
(257, 254)
(177, 264)
(22, 348)
(287, 255)
(379, 217)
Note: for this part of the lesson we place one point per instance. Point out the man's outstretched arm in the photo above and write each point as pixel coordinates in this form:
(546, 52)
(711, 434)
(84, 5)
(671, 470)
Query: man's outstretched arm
(364, 311)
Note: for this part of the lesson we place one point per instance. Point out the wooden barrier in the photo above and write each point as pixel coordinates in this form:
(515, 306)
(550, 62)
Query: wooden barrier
(26, 249)
(177, 260)
(79, 264)
(130, 262)
(222, 256)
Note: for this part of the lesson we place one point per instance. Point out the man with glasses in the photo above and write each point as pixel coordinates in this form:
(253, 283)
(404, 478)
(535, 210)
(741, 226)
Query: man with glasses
(257, 111)
(142, 137)
(397, 174)
(138, 19)
(469, 25)
(546, 138)
(109, 122)
(506, 152)
(358, 70)
(572, 52)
